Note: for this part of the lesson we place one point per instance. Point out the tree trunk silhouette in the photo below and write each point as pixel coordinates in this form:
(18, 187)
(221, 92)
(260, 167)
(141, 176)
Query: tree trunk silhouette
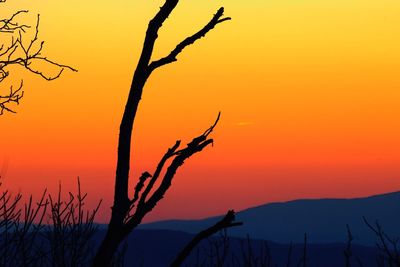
(128, 213)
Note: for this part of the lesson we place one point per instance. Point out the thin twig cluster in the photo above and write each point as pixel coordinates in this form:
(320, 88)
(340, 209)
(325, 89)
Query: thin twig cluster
(389, 252)
(17, 48)
(50, 232)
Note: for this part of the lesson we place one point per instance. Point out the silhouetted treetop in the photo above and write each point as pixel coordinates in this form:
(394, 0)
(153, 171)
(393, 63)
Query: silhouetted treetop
(127, 212)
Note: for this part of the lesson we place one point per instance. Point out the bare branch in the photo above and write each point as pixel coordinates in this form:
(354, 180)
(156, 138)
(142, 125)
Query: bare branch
(13, 97)
(217, 18)
(140, 185)
(9, 25)
(387, 245)
(348, 253)
(178, 158)
(226, 222)
(152, 32)
(24, 54)
(160, 166)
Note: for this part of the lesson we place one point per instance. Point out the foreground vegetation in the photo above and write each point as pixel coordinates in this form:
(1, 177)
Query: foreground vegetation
(61, 232)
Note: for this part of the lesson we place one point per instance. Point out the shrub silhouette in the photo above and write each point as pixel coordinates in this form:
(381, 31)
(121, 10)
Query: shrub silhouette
(50, 232)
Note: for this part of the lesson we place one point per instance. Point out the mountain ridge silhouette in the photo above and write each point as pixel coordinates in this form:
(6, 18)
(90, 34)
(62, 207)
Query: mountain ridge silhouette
(324, 220)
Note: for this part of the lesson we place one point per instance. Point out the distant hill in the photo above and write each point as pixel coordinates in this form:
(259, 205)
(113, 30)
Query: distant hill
(324, 220)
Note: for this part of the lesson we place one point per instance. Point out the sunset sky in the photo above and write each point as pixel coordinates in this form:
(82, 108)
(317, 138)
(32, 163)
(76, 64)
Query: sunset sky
(309, 92)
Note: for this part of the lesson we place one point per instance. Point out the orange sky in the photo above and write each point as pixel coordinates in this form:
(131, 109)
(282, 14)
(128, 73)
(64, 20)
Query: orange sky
(309, 92)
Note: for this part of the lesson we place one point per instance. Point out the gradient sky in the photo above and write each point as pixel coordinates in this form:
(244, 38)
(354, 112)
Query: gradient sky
(309, 92)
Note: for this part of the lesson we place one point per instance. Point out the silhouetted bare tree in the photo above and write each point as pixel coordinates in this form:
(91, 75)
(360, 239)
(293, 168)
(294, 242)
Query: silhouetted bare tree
(28, 239)
(18, 48)
(72, 230)
(128, 212)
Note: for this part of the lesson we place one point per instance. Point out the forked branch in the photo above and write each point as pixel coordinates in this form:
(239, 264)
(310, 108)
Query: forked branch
(176, 157)
(217, 18)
